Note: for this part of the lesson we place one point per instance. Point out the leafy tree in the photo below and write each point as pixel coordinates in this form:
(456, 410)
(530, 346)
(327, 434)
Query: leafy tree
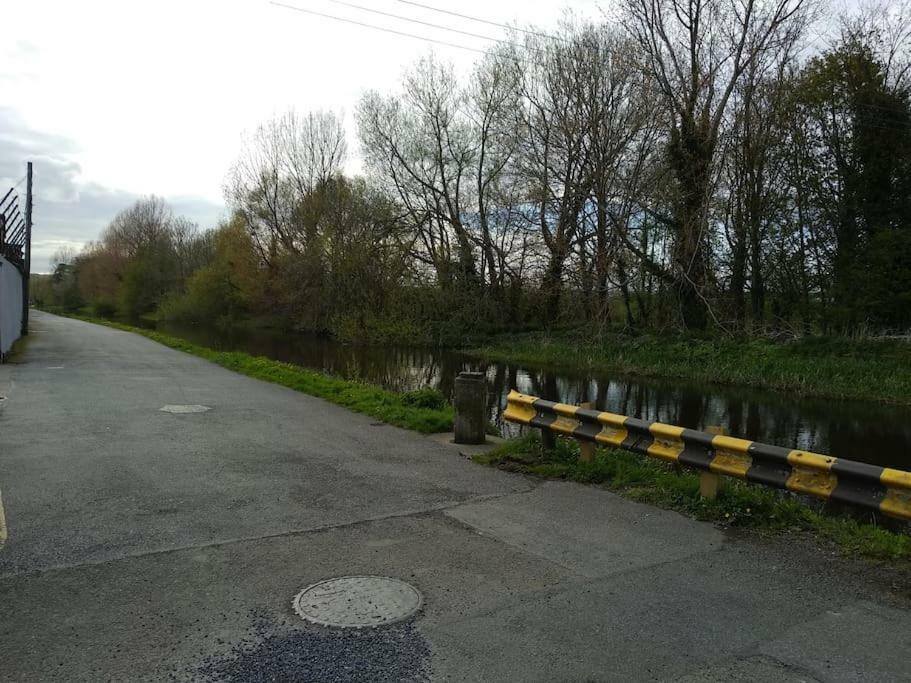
(860, 179)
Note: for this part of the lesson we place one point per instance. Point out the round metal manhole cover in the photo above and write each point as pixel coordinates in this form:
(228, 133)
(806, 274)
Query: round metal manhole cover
(183, 409)
(358, 601)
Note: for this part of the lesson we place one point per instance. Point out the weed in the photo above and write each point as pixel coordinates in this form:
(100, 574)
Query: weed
(426, 397)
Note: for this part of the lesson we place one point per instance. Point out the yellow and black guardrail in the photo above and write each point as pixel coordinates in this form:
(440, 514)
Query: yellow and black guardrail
(880, 488)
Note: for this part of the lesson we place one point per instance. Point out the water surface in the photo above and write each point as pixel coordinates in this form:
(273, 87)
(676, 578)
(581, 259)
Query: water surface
(857, 430)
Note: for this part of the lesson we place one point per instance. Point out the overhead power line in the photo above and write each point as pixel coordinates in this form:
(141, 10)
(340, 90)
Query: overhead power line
(482, 21)
(375, 27)
(516, 58)
(442, 27)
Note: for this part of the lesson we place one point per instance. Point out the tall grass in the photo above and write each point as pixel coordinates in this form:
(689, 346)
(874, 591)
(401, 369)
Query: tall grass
(876, 370)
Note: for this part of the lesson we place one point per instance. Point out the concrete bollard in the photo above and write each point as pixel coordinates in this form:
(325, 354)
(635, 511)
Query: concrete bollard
(470, 401)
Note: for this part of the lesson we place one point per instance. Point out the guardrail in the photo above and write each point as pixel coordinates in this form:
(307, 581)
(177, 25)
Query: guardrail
(880, 488)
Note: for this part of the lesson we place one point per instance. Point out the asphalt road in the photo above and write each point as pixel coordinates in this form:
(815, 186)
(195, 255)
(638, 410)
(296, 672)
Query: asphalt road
(146, 545)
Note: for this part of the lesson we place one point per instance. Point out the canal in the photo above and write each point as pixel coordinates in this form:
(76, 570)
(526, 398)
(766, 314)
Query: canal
(869, 432)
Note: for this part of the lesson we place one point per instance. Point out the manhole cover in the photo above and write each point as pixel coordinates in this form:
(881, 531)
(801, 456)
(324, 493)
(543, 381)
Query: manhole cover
(357, 601)
(184, 409)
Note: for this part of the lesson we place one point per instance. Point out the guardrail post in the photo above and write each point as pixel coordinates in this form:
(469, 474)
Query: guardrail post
(470, 402)
(548, 439)
(709, 482)
(587, 448)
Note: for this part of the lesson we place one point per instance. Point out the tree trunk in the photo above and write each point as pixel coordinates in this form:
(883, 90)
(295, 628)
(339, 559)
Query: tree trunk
(602, 262)
(468, 269)
(738, 269)
(624, 291)
(691, 155)
(757, 282)
(552, 286)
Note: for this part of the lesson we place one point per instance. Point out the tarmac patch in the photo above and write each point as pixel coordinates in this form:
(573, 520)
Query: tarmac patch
(281, 652)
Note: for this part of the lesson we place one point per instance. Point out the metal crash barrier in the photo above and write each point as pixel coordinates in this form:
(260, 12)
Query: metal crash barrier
(880, 488)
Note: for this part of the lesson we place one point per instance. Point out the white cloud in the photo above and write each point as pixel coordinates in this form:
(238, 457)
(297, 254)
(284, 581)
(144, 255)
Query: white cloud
(69, 210)
(113, 99)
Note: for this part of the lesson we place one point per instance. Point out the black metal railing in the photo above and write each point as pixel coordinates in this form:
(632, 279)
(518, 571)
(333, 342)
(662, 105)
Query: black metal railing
(13, 233)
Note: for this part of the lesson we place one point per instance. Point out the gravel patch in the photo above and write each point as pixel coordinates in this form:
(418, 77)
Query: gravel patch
(313, 653)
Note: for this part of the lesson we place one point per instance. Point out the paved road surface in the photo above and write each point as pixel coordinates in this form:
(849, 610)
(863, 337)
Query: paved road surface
(148, 545)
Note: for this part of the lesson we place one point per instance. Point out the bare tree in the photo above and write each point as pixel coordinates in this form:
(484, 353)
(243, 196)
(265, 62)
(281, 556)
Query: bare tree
(556, 149)
(492, 103)
(274, 183)
(755, 175)
(623, 146)
(884, 25)
(314, 148)
(697, 51)
(421, 145)
(146, 224)
(192, 249)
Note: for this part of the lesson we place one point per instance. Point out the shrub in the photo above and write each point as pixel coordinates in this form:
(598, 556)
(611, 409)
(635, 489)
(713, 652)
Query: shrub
(104, 309)
(425, 398)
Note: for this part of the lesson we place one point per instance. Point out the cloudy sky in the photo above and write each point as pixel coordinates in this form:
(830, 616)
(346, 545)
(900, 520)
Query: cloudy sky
(115, 99)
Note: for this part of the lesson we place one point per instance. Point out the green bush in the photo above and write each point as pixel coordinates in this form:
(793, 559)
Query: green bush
(425, 398)
(104, 309)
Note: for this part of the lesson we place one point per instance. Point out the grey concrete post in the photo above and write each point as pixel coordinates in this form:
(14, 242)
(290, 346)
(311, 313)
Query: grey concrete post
(470, 401)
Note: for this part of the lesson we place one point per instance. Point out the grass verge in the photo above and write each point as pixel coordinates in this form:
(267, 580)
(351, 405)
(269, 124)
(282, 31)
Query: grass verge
(424, 410)
(874, 370)
(738, 504)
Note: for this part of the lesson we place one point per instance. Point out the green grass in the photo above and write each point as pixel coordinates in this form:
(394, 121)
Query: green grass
(424, 411)
(875, 370)
(738, 504)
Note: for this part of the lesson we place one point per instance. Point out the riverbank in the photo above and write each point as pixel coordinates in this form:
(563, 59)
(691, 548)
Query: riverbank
(738, 505)
(425, 411)
(841, 368)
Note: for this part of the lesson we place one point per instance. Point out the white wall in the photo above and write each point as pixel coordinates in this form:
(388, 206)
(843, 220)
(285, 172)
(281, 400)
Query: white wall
(10, 305)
